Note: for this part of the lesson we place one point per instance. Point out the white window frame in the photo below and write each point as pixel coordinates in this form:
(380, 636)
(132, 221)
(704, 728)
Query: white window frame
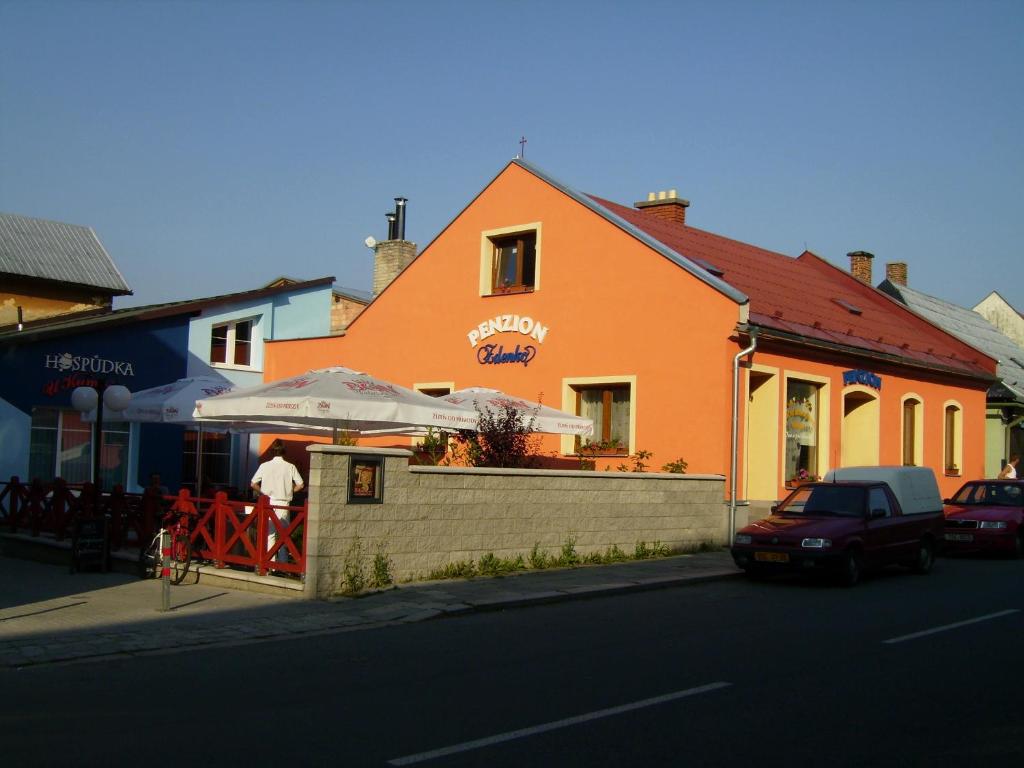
(229, 352)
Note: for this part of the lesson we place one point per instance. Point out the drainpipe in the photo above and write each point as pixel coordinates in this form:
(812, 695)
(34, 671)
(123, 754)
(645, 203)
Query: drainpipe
(735, 422)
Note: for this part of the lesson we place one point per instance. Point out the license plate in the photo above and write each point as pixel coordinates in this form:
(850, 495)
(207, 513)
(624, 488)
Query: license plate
(959, 537)
(771, 557)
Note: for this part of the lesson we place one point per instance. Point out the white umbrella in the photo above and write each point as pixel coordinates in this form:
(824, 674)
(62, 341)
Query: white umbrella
(338, 398)
(174, 404)
(542, 417)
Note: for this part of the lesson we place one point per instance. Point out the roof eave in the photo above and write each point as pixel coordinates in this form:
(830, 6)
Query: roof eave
(767, 332)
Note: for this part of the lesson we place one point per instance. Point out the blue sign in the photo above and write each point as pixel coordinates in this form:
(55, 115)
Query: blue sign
(495, 354)
(866, 378)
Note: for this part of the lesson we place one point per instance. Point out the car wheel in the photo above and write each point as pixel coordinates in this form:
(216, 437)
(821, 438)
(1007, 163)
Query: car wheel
(851, 568)
(925, 557)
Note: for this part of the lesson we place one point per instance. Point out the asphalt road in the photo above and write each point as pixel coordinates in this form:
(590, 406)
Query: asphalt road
(902, 670)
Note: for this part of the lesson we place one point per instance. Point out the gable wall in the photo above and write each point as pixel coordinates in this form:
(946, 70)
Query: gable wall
(612, 308)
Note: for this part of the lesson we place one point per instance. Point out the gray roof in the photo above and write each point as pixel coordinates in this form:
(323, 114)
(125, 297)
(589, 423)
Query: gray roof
(364, 297)
(99, 319)
(51, 250)
(970, 327)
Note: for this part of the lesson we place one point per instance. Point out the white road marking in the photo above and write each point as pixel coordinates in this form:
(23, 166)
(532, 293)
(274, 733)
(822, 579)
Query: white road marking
(523, 732)
(947, 627)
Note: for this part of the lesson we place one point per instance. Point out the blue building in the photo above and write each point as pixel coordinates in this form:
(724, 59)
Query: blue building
(42, 362)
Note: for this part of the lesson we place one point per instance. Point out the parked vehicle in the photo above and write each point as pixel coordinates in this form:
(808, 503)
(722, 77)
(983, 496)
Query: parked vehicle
(986, 515)
(857, 518)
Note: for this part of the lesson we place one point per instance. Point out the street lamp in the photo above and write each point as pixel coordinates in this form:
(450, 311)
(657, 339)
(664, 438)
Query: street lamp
(85, 399)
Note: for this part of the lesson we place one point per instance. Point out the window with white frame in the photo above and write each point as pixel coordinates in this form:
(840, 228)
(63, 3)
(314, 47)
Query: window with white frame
(231, 343)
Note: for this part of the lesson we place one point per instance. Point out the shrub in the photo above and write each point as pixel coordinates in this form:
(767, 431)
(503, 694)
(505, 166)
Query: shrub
(677, 467)
(504, 438)
(568, 556)
(490, 565)
(538, 559)
(657, 549)
(460, 569)
(639, 460)
(381, 576)
(433, 448)
(354, 570)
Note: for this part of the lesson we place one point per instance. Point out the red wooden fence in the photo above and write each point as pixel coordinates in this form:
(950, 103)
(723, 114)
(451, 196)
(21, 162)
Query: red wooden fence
(227, 533)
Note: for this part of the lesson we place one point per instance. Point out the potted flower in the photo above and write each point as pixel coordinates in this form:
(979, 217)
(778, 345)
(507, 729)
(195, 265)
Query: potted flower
(802, 477)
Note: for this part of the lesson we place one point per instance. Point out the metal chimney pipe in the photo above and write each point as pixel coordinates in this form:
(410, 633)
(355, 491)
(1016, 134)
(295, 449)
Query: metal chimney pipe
(391, 225)
(400, 216)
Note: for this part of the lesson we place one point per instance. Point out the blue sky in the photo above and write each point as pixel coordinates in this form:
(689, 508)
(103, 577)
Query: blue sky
(215, 146)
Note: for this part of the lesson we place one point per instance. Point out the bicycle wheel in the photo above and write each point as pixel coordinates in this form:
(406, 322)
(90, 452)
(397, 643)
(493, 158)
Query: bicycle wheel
(181, 557)
(150, 559)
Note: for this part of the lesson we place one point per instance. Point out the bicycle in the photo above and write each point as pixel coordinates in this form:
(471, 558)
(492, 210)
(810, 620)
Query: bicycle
(151, 558)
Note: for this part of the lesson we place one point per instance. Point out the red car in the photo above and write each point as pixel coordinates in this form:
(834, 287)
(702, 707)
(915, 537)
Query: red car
(986, 515)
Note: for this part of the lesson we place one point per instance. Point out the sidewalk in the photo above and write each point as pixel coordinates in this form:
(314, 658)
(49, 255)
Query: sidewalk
(50, 616)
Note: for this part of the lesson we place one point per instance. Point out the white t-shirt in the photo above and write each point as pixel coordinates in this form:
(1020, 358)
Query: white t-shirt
(276, 478)
(1009, 472)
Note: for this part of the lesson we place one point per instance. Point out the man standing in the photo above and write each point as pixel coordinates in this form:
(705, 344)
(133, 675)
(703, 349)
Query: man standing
(278, 479)
(1009, 471)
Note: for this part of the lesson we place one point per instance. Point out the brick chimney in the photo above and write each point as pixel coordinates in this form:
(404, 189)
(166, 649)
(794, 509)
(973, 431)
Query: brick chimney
(860, 265)
(896, 272)
(665, 205)
(395, 253)
(390, 258)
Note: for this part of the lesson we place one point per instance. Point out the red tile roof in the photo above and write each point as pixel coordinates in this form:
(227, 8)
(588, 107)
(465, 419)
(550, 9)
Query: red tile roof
(798, 296)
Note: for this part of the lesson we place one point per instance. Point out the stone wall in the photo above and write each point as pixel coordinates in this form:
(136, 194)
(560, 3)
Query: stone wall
(432, 516)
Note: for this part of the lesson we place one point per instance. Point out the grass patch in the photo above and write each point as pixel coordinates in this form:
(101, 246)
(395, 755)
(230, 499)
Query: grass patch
(567, 557)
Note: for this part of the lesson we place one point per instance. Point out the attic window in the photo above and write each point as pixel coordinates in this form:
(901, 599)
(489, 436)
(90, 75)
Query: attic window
(514, 265)
(708, 266)
(853, 310)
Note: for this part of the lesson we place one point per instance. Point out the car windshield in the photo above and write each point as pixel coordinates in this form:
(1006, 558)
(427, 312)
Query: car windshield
(992, 494)
(824, 500)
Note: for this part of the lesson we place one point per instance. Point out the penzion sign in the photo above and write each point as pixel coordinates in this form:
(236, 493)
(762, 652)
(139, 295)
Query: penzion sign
(496, 354)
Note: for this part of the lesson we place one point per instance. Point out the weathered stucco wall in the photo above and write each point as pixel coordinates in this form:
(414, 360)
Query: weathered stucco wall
(432, 516)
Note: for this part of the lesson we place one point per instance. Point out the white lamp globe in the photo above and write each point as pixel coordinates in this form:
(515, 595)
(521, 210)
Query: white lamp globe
(116, 398)
(84, 399)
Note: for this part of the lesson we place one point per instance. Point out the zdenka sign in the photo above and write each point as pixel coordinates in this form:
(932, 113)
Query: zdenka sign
(496, 354)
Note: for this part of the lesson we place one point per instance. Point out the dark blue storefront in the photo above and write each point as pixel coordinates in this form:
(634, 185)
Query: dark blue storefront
(40, 369)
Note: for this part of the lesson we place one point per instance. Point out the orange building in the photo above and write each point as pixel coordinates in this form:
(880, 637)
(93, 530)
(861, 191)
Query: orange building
(674, 340)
